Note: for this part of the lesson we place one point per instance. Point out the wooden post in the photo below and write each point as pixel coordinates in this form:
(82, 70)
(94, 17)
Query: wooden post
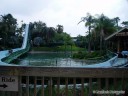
(35, 82)
(106, 84)
(74, 86)
(90, 86)
(20, 86)
(58, 86)
(115, 83)
(27, 85)
(99, 83)
(42, 86)
(50, 86)
(118, 46)
(82, 86)
(51, 83)
(66, 87)
(123, 83)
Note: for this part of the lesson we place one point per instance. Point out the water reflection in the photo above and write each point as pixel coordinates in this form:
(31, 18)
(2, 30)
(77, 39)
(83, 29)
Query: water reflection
(50, 59)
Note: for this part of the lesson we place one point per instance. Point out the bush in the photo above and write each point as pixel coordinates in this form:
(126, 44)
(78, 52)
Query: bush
(86, 55)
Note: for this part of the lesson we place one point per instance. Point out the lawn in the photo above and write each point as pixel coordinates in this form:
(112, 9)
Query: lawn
(58, 48)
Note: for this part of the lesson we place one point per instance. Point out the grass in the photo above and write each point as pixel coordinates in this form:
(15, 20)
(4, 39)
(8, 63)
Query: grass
(58, 48)
(95, 55)
(91, 56)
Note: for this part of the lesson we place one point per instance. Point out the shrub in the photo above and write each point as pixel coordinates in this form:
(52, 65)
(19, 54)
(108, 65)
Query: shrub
(86, 55)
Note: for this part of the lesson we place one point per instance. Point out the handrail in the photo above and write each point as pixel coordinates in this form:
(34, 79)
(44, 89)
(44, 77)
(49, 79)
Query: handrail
(64, 71)
(49, 80)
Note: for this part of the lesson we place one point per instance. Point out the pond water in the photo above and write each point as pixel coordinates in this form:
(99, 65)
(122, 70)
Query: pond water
(50, 59)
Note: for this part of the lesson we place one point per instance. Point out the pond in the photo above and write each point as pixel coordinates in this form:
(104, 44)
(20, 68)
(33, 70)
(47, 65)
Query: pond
(50, 59)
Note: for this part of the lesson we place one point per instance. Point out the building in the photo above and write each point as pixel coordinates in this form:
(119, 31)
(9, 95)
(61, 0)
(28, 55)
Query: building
(118, 41)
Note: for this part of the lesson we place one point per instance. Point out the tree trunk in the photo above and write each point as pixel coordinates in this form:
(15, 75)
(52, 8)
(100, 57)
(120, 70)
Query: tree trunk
(101, 40)
(89, 41)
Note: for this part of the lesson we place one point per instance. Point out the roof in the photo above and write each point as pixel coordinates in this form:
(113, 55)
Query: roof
(121, 30)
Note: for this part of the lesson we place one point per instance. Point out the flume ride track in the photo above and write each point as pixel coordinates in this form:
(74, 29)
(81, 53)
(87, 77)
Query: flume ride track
(19, 51)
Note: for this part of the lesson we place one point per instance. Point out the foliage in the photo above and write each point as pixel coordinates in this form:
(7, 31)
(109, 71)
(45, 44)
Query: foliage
(8, 34)
(50, 35)
(60, 28)
(37, 41)
(86, 55)
(58, 48)
(99, 27)
(125, 23)
(81, 41)
(88, 23)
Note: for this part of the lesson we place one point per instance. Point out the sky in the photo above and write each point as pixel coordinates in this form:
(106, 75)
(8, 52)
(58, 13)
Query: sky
(64, 12)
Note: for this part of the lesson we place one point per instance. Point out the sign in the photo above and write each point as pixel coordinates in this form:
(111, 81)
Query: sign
(8, 83)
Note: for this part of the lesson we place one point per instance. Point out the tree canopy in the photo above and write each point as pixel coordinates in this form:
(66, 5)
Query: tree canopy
(50, 35)
(8, 27)
(99, 27)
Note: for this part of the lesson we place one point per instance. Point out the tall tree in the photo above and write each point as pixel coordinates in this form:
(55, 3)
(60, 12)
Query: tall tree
(8, 27)
(117, 19)
(88, 23)
(125, 23)
(105, 27)
(60, 28)
(50, 34)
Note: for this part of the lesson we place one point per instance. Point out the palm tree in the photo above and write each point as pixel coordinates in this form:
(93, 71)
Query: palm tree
(100, 24)
(104, 26)
(117, 19)
(125, 23)
(88, 23)
(60, 28)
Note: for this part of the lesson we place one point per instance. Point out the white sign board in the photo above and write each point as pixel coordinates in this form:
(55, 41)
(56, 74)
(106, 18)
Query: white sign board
(8, 83)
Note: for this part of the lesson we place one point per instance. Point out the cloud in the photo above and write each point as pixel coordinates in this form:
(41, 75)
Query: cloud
(65, 12)
(22, 7)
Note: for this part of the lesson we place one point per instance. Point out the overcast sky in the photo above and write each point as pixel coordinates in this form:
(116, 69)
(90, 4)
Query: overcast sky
(64, 12)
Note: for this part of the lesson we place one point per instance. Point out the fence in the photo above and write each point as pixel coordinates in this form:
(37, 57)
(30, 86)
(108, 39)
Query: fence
(65, 81)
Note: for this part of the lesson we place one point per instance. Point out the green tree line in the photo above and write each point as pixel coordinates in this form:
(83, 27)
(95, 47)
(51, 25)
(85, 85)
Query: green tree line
(10, 34)
(42, 35)
(99, 27)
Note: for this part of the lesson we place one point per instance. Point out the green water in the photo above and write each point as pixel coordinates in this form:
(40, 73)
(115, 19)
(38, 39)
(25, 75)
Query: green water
(50, 59)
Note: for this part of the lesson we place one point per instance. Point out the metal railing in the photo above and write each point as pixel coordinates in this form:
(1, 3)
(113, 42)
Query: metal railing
(66, 81)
